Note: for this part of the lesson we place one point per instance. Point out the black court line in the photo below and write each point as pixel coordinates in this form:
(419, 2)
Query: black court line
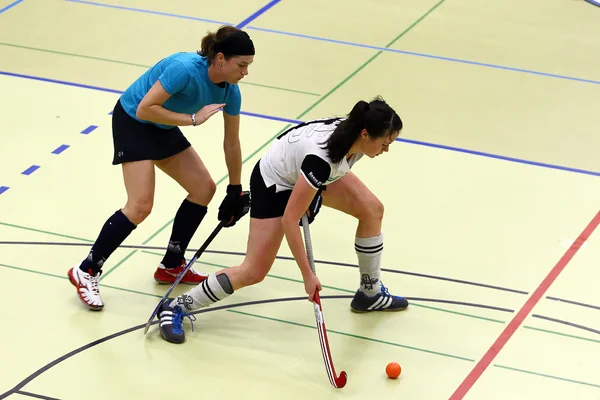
(571, 324)
(238, 253)
(57, 361)
(324, 262)
(37, 396)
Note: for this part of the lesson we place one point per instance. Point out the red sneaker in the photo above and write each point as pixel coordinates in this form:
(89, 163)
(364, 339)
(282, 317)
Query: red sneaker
(169, 275)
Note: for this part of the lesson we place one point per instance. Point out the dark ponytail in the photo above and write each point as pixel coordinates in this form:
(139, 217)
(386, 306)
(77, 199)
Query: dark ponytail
(208, 46)
(377, 117)
(228, 40)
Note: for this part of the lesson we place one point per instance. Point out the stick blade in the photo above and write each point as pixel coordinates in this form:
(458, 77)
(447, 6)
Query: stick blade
(340, 381)
(160, 303)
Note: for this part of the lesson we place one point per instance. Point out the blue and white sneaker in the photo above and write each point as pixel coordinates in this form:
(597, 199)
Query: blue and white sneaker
(171, 322)
(382, 301)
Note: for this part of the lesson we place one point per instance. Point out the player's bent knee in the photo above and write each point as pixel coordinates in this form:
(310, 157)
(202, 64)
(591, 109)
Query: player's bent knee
(255, 276)
(374, 210)
(203, 192)
(138, 211)
(211, 188)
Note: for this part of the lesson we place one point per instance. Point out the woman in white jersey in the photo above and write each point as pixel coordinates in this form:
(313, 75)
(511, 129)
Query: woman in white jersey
(308, 165)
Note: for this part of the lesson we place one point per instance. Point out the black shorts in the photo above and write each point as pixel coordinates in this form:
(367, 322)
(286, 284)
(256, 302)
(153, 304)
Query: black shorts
(136, 141)
(266, 203)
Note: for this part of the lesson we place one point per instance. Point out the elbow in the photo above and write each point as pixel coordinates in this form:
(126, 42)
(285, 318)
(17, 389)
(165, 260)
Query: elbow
(140, 112)
(288, 222)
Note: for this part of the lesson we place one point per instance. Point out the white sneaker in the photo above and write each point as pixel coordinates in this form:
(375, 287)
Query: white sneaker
(87, 287)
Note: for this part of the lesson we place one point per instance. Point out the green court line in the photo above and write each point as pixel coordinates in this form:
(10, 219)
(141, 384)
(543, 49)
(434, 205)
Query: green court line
(298, 281)
(352, 75)
(353, 336)
(46, 232)
(282, 278)
(33, 271)
(314, 105)
(561, 334)
(348, 291)
(142, 66)
(332, 331)
(546, 375)
(105, 274)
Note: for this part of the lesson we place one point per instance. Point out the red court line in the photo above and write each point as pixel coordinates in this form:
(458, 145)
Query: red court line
(514, 324)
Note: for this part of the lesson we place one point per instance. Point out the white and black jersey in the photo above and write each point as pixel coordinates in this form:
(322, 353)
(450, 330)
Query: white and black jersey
(300, 150)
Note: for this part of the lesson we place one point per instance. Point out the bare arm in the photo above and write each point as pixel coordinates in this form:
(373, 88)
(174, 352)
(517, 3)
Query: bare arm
(232, 148)
(151, 109)
(297, 205)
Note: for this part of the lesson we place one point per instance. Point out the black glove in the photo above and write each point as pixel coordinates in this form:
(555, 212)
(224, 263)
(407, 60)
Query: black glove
(315, 205)
(234, 206)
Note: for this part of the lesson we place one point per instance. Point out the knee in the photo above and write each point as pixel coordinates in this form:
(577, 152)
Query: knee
(211, 188)
(373, 210)
(137, 211)
(252, 275)
(204, 192)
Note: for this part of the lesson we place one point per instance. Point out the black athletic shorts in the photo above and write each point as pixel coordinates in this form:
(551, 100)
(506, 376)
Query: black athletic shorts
(266, 203)
(136, 141)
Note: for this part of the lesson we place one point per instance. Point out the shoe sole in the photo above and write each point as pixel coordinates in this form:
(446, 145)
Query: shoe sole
(170, 341)
(172, 282)
(92, 308)
(354, 310)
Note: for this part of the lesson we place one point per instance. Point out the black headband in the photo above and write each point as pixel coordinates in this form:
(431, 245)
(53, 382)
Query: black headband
(237, 44)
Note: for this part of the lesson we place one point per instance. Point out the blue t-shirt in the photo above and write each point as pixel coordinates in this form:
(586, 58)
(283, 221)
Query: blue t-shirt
(185, 77)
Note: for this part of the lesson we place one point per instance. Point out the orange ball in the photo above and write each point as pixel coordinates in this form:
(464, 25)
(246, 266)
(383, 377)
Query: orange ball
(393, 370)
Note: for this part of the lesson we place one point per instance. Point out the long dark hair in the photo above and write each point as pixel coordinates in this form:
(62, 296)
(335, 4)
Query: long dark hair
(377, 117)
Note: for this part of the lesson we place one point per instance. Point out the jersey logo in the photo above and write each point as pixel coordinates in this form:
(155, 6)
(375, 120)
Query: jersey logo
(314, 179)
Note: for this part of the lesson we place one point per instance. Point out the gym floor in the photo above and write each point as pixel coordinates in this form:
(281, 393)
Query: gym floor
(491, 196)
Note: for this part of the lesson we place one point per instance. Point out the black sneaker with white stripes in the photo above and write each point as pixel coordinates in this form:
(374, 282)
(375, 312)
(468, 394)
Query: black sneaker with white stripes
(171, 322)
(382, 301)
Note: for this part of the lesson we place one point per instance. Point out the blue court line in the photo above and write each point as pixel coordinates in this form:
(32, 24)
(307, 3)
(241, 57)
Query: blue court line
(10, 6)
(256, 14)
(89, 129)
(273, 118)
(164, 14)
(295, 121)
(60, 149)
(378, 48)
(30, 170)
(60, 82)
(499, 157)
(3, 189)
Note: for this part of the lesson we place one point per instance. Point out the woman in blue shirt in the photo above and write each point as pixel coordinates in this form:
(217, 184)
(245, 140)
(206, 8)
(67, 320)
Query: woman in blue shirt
(184, 89)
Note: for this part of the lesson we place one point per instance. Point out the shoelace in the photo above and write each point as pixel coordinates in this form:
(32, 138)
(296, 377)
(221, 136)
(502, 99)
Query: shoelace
(385, 291)
(95, 281)
(178, 319)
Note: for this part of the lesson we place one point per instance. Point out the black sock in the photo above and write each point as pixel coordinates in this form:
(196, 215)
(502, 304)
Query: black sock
(113, 233)
(186, 222)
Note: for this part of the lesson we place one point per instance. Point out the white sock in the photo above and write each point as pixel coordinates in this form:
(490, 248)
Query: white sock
(369, 251)
(207, 292)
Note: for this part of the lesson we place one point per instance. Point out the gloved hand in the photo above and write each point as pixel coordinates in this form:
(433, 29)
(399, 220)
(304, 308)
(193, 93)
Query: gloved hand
(315, 205)
(234, 206)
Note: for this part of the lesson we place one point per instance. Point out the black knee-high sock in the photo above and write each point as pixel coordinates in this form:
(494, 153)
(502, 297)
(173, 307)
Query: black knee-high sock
(113, 233)
(186, 222)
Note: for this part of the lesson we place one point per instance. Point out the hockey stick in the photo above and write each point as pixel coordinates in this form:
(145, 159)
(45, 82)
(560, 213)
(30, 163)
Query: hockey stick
(336, 381)
(181, 275)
